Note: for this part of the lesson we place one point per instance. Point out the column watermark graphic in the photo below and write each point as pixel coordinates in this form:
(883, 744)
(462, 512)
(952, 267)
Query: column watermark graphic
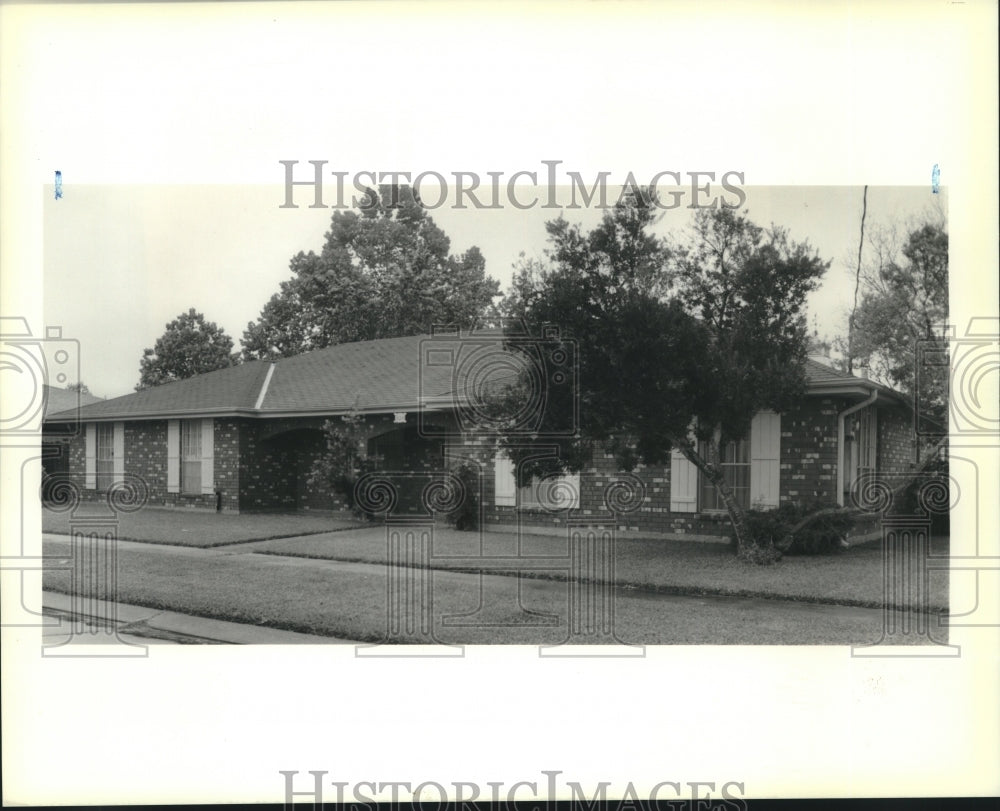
(957, 415)
(35, 369)
(420, 595)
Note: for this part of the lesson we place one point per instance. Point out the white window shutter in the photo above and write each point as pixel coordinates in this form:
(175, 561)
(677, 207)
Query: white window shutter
(505, 492)
(570, 484)
(683, 484)
(207, 456)
(90, 463)
(173, 456)
(765, 459)
(118, 451)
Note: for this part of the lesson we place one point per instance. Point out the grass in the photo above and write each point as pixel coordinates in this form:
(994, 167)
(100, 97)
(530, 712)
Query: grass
(280, 555)
(350, 601)
(197, 527)
(851, 577)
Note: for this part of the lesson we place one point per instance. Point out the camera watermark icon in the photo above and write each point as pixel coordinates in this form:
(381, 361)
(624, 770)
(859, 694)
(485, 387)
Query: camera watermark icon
(28, 364)
(31, 368)
(510, 382)
(964, 373)
(975, 379)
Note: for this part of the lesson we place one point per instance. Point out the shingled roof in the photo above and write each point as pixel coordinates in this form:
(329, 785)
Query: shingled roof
(824, 379)
(392, 374)
(58, 400)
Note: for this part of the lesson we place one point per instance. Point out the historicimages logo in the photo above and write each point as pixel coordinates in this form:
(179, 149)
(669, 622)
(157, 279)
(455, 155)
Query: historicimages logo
(675, 795)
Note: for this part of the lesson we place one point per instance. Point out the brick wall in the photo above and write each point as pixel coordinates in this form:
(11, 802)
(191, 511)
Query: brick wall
(809, 451)
(896, 441)
(277, 455)
(265, 465)
(146, 458)
(227, 469)
(808, 474)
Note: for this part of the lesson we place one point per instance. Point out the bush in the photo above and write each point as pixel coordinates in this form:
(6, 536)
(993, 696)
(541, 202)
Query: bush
(466, 515)
(821, 536)
(343, 462)
(935, 484)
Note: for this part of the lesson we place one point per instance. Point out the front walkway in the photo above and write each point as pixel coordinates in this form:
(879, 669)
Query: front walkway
(190, 527)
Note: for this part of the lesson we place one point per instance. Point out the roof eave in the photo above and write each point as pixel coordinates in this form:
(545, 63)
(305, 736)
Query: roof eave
(858, 389)
(78, 415)
(74, 416)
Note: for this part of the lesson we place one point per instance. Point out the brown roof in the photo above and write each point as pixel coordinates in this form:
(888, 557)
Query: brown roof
(227, 390)
(823, 379)
(57, 400)
(392, 374)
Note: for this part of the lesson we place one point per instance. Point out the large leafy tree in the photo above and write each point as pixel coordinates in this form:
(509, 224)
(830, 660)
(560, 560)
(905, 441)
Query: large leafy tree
(384, 271)
(679, 343)
(189, 346)
(904, 306)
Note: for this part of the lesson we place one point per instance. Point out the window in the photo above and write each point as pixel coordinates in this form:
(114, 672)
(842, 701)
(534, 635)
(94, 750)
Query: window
(105, 455)
(867, 439)
(553, 493)
(735, 463)
(752, 468)
(504, 486)
(191, 456)
(860, 448)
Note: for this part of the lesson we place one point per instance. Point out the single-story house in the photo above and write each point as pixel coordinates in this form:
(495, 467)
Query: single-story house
(57, 436)
(245, 438)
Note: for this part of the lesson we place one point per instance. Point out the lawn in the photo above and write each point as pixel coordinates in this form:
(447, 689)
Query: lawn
(349, 601)
(850, 577)
(197, 527)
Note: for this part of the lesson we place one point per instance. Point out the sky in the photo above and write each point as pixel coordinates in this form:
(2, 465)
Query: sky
(121, 261)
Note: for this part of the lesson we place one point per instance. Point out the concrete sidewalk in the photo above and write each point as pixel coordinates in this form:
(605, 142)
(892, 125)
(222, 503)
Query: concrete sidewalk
(153, 625)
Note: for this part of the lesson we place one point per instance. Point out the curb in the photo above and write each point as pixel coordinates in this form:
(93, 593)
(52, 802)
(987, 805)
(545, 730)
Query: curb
(190, 628)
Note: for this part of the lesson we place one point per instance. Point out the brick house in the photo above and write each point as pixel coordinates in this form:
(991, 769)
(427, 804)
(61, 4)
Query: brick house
(56, 441)
(245, 438)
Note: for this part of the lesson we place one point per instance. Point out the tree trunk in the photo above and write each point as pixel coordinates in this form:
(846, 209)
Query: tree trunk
(789, 538)
(748, 548)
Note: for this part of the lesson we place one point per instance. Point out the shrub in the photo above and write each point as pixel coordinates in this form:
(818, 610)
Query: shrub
(935, 483)
(343, 461)
(466, 515)
(821, 536)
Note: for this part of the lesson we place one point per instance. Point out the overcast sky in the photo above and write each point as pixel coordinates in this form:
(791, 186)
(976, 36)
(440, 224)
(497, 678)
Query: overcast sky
(122, 261)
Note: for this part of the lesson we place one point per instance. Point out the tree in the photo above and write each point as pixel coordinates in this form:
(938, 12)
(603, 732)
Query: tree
(79, 386)
(190, 346)
(905, 303)
(679, 344)
(343, 462)
(384, 271)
